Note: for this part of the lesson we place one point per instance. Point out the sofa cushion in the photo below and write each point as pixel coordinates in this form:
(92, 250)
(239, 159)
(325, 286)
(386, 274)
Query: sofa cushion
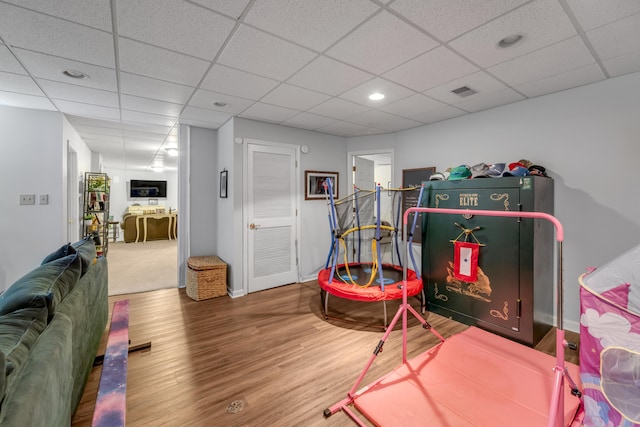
(86, 248)
(61, 252)
(19, 330)
(39, 396)
(45, 286)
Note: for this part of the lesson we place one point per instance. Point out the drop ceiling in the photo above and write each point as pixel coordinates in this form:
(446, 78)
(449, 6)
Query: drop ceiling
(311, 64)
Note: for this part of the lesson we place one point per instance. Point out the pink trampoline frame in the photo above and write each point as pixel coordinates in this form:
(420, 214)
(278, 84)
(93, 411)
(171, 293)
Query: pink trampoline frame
(556, 404)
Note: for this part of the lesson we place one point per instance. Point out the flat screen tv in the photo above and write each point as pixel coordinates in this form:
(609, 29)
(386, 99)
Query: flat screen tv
(144, 188)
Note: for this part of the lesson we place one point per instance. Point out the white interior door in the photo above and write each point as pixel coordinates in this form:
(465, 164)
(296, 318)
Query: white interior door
(271, 214)
(364, 179)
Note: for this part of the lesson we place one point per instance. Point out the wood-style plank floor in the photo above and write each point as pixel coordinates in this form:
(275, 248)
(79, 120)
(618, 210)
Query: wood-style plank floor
(265, 359)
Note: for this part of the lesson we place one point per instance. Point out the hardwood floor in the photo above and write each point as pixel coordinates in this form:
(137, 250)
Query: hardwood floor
(270, 351)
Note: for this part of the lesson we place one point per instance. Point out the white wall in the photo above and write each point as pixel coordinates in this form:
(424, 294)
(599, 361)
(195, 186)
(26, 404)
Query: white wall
(326, 153)
(33, 162)
(588, 138)
(226, 246)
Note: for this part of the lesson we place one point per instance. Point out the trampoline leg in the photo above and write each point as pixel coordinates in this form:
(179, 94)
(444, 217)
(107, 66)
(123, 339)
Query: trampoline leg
(326, 305)
(384, 308)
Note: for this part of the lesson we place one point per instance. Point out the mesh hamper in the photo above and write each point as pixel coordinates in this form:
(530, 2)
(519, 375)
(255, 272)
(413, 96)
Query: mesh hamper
(206, 277)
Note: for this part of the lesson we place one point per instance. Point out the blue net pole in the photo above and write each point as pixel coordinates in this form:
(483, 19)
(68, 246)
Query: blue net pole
(355, 198)
(332, 220)
(377, 237)
(413, 229)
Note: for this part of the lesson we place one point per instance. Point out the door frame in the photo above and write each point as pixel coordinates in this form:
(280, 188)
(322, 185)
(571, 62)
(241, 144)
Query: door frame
(245, 200)
(352, 154)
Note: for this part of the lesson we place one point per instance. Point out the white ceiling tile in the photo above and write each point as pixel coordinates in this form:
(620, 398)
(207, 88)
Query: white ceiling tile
(313, 24)
(431, 69)
(154, 119)
(593, 13)
(400, 123)
(263, 54)
(69, 92)
(440, 114)
(55, 36)
(95, 131)
(483, 101)
(136, 103)
(269, 113)
(25, 101)
(207, 99)
(542, 22)
(202, 123)
(87, 110)
(348, 129)
(232, 8)
(412, 106)
(145, 131)
(82, 122)
(329, 76)
(94, 13)
(372, 118)
(175, 25)
(481, 82)
(338, 109)
(294, 97)
(160, 63)
(8, 62)
(573, 78)
(201, 115)
(19, 83)
(446, 19)
(374, 46)
(233, 82)
(309, 121)
(51, 68)
(624, 64)
(392, 92)
(555, 59)
(616, 39)
(101, 137)
(147, 87)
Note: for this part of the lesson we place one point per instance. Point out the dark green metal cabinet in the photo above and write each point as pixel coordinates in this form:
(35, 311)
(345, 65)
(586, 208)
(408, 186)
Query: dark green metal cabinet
(513, 293)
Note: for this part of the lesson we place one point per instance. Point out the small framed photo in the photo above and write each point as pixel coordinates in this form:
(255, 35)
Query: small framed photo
(314, 184)
(223, 184)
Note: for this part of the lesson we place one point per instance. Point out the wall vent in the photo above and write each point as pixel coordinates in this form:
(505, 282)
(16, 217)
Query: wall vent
(464, 91)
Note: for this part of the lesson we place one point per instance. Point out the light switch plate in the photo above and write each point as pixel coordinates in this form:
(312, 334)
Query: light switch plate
(44, 199)
(27, 199)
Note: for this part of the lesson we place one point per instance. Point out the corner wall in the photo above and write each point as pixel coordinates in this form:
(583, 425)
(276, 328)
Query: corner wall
(33, 162)
(587, 138)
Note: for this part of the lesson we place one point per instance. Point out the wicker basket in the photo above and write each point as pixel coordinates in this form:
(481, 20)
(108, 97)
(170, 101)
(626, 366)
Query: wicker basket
(206, 277)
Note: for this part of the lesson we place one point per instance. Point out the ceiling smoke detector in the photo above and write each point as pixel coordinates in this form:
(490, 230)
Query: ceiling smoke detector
(464, 91)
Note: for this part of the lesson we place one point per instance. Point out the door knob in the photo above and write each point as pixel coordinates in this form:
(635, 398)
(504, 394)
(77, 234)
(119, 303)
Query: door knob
(253, 226)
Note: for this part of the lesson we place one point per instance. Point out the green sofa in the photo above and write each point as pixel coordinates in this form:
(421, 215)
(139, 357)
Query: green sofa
(51, 323)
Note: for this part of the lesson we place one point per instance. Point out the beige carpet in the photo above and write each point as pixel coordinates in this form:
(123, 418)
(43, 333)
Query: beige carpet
(142, 267)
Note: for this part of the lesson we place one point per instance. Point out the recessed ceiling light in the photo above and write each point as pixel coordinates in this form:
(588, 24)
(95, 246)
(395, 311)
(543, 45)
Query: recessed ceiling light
(157, 168)
(173, 152)
(221, 104)
(75, 74)
(376, 96)
(510, 40)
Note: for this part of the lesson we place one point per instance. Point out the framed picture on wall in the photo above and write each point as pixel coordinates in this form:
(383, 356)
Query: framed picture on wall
(314, 184)
(223, 184)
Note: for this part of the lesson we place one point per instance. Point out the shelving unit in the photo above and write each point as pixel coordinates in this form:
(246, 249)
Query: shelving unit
(96, 209)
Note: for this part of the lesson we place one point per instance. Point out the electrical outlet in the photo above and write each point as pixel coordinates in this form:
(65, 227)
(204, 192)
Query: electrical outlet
(44, 199)
(27, 199)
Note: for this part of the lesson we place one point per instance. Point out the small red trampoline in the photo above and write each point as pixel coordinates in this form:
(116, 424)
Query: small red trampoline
(360, 233)
(360, 274)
